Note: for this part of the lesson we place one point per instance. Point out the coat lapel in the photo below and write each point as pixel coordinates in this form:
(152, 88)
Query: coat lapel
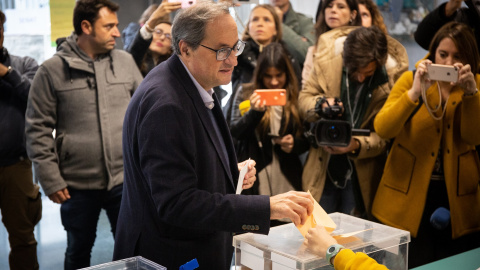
(202, 112)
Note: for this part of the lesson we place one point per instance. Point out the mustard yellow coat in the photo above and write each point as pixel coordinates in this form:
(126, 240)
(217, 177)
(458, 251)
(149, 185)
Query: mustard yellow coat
(325, 80)
(401, 195)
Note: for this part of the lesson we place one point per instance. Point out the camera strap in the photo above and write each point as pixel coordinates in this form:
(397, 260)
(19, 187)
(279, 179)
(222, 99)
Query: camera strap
(339, 170)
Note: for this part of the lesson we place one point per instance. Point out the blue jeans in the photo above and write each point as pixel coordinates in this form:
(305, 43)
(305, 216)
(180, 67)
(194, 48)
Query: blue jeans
(80, 216)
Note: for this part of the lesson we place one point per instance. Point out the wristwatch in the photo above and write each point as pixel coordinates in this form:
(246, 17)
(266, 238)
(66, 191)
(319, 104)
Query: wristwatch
(332, 251)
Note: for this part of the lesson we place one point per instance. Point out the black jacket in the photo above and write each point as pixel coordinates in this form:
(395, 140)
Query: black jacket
(243, 72)
(14, 89)
(437, 18)
(249, 144)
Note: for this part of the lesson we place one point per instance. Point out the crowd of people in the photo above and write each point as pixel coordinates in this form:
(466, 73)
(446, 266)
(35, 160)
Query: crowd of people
(141, 132)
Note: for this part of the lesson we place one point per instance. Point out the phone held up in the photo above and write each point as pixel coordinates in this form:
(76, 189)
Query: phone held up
(185, 3)
(443, 73)
(272, 97)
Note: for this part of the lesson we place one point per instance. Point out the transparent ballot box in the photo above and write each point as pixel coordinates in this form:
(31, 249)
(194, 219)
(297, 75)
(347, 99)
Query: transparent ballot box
(134, 263)
(283, 247)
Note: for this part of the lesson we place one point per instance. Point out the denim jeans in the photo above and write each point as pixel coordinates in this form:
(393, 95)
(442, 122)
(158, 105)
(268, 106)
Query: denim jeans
(336, 199)
(80, 216)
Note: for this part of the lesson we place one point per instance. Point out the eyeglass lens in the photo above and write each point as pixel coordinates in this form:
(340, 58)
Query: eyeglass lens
(159, 32)
(224, 53)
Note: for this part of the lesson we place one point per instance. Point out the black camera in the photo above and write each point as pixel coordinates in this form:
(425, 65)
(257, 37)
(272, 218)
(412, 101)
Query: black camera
(330, 130)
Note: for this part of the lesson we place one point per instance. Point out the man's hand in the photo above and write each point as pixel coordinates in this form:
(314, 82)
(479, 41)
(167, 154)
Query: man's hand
(60, 196)
(318, 240)
(337, 150)
(250, 177)
(294, 205)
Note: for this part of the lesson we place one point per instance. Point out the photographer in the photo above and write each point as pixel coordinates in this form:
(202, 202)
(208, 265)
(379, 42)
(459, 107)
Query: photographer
(360, 78)
(433, 165)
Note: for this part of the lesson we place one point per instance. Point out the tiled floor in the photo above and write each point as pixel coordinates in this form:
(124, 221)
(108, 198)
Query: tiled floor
(52, 242)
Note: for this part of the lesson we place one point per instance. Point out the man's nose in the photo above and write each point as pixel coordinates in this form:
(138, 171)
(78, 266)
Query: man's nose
(231, 59)
(116, 32)
(361, 78)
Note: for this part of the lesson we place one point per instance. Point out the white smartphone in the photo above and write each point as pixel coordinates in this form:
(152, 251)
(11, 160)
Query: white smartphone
(443, 73)
(185, 3)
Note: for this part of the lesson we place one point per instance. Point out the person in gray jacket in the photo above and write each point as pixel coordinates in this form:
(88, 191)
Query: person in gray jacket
(82, 93)
(298, 29)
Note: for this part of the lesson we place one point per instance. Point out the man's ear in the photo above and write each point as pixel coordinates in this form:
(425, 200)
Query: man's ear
(87, 27)
(185, 50)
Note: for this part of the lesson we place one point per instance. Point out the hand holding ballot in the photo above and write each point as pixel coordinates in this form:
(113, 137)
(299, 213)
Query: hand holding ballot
(247, 176)
(297, 206)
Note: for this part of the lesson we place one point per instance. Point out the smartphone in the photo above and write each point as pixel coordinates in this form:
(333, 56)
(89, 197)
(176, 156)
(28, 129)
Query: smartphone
(443, 73)
(273, 97)
(185, 3)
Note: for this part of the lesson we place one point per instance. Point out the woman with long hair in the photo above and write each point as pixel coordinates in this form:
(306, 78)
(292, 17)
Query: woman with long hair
(263, 27)
(271, 135)
(332, 14)
(153, 42)
(430, 184)
(370, 15)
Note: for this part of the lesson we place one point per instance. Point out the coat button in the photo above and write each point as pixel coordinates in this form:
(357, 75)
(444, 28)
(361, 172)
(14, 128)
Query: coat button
(448, 126)
(448, 151)
(453, 103)
(433, 154)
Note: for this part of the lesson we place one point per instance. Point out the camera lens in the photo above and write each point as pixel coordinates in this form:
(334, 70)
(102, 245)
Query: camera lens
(332, 133)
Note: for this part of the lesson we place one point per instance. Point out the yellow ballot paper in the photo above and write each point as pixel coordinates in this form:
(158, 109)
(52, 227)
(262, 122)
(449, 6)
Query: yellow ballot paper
(318, 217)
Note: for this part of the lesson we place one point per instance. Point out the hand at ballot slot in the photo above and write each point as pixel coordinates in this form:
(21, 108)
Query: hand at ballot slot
(296, 205)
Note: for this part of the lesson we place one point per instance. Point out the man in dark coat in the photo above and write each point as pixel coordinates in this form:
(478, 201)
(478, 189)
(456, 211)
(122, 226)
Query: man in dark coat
(181, 173)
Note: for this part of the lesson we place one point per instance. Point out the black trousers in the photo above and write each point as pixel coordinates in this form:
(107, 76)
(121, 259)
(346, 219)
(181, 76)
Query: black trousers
(432, 244)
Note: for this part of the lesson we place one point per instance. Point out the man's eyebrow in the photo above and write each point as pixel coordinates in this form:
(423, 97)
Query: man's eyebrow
(223, 45)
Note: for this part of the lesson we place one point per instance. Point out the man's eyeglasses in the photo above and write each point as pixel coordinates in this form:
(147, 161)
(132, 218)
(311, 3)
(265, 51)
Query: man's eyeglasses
(160, 33)
(224, 53)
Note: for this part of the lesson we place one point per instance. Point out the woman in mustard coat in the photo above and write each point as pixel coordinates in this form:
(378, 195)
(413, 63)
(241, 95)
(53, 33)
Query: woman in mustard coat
(433, 162)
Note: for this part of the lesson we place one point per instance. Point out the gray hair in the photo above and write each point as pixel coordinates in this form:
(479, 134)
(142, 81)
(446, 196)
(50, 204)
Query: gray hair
(190, 24)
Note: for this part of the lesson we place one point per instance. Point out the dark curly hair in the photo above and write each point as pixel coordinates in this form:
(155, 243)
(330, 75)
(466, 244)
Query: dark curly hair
(88, 10)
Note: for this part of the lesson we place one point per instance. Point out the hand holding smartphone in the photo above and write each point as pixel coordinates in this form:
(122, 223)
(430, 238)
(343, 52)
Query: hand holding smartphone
(272, 97)
(443, 73)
